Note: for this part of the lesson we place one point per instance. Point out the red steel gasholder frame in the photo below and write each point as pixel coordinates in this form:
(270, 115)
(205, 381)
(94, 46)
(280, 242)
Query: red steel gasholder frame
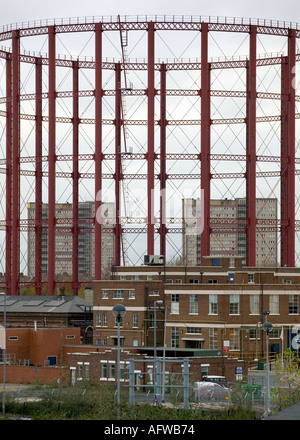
(13, 57)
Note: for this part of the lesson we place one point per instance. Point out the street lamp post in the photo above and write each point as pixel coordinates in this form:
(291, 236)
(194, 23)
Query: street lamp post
(118, 311)
(4, 357)
(159, 301)
(267, 327)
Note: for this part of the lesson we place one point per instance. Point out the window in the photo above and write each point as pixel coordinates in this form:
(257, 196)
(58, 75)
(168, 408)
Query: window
(104, 294)
(216, 262)
(136, 277)
(111, 370)
(254, 304)
(104, 321)
(116, 321)
(135, 320)
(193, 303)
(250, 277)
(87, 370)
(178, 281)
(193, 330)
(234, 305)
(254, 333)
(231, 262)
(123, 277)
(174, 337)
(98, 319)
(234, 339)
(293, 304)
(274, 304)
(213, 281)
(151, 323)
(118, 294)
(213, 304)
(175, 303)
(169, 281)
(213, 338)
(287, 281)
(149, 277)
(131, 294)
(154, 293)
(231, 278)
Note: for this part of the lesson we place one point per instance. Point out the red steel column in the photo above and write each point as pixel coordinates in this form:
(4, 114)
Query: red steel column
(251, 153)
(163, 176)
(98, 148)
(52, 163)
(205, 141)
(118, 171)
(8, 238)
(15, 162)
(38, 177)
(150, 153)
(288, 154)
(75, 226)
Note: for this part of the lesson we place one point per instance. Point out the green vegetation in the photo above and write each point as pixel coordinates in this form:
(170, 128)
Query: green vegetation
(96, 402)
(286, 387)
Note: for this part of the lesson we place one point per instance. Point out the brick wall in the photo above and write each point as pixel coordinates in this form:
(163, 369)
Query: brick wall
(17, 374)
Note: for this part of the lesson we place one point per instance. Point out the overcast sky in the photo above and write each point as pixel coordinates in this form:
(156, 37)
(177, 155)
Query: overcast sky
(14, 11)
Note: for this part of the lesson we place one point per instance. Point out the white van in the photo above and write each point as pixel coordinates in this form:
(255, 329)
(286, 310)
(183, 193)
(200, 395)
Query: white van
(221, 380)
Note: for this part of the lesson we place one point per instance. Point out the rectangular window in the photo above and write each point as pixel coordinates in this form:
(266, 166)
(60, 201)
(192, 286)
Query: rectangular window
(213, 304)
(213, 338)
(234, 339)
(135, 320)
(254, 304)
(98, 318)
(193, 303)
(151, 323)
(104, 320)
(136, 277)
(274, 304)
(293, 304)
(104, 294)
(250, 277)
(175, 303)
(118, 294)
(131, 294)
(103, 370)
(254, 333)
(154, 293)
(234, 305)
(174, 337)
(194, 330)
(87, 370)
(111, 370)
(116, 321)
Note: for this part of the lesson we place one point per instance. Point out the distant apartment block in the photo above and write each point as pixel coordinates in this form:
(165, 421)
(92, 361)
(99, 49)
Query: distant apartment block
(64, 240)
(231, 240)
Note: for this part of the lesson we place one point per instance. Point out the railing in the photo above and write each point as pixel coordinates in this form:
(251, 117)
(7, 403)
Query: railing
(155, 18)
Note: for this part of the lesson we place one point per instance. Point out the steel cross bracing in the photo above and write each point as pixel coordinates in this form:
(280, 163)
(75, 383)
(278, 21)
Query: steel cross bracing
(50, 162)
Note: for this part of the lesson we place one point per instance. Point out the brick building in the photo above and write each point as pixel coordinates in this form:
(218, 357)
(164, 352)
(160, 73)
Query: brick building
(220, 304)
(48, 311)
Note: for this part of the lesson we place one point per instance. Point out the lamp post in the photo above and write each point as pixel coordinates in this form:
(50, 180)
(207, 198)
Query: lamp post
(4, 357)
(159, 301)
(118, 311)
(267, 327)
